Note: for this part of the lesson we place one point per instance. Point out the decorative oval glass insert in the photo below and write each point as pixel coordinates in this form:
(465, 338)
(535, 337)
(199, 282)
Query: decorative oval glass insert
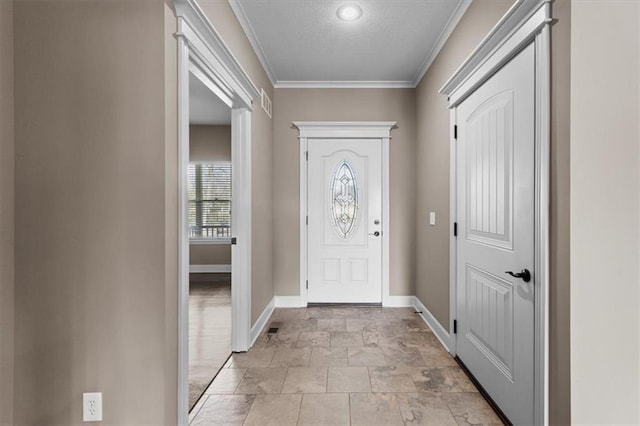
(343, 199)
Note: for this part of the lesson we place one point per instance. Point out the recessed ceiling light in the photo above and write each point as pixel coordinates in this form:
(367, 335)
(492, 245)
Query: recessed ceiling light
(349, 12)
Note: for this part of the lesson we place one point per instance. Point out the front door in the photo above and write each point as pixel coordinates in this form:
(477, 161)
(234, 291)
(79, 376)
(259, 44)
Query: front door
(344, 206)
(495, 213)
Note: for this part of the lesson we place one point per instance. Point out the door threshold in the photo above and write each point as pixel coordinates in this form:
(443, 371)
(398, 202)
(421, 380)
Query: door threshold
(344, 305)
(484, 393)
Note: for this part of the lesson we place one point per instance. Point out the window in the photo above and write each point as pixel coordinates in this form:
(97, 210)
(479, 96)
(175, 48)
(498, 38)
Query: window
(210, 200)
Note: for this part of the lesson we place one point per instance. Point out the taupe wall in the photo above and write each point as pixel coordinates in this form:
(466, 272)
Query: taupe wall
(432, 286)
(210, 143)
(605, 212)
(343, 105)
(95, 253)
(6, 213)
(210, 254)
(432, 156)
(225, 22)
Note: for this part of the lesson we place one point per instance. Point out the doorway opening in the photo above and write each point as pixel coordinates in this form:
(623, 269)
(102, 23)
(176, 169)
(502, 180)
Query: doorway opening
(210, 231)
(203, 55)
(499, 101)
(344, 203)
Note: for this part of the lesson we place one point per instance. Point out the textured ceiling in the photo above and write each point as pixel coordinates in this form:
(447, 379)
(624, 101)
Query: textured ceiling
(304, 41)
(204, 106)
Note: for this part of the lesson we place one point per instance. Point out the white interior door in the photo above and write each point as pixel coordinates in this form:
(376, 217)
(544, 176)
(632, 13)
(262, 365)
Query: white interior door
(345, 220)
(495, 188)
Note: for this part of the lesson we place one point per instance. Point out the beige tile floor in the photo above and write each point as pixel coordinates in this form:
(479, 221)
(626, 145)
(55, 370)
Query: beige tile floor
(343, 366)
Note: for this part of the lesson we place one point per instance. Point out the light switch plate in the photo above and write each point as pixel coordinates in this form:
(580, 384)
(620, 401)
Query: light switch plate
(432, 218)
(92, 407)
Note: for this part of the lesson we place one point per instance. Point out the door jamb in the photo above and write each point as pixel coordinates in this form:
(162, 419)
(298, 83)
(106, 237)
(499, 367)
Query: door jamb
(202, 50)
(525, 23)
(345, 130)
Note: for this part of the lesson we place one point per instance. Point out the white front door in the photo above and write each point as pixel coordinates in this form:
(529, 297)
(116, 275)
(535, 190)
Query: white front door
(495, 214)
(344, 179)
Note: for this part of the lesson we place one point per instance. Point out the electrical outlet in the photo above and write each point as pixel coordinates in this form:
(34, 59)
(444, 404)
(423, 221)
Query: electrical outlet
(92, 406)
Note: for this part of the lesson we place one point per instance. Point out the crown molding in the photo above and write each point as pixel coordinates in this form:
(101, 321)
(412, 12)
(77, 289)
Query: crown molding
(238, 10)
(442, 39)
(344, 85)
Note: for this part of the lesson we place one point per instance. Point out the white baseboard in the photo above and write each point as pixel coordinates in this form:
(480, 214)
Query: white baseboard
(209, 269)
(289, 302)
(442, 334)
(262, 321)
(390, 301)
(398, 301)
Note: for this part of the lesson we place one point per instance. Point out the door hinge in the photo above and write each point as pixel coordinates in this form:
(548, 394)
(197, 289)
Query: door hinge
(455, 132)
(234, 241)
(307, 284)
(307, 220)
(306, 154)
(455, 229)
(455, 326)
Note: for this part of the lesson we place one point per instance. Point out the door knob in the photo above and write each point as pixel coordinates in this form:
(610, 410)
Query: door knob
(376, 234)
(524, 274)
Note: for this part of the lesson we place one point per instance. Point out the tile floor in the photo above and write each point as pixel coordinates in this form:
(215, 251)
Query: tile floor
(343, 366)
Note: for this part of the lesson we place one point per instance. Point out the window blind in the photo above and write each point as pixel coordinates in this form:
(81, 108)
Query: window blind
(210, 200)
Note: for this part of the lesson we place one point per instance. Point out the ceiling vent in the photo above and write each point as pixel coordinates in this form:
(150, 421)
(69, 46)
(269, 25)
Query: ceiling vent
(266, 103)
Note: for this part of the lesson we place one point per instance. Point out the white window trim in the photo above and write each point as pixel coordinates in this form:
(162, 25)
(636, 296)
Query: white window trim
(209, 241)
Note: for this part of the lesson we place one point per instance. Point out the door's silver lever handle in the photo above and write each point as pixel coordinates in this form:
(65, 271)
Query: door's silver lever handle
(376, 234)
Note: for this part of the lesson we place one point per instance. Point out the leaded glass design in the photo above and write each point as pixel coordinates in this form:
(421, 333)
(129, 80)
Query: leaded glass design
(343, 199)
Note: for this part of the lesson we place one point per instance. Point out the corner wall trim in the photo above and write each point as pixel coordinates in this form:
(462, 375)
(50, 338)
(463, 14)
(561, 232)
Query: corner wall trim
(289, 302)
(209, 269)
(442, 334)
(442, 39)
(241, 16)
(262, 321)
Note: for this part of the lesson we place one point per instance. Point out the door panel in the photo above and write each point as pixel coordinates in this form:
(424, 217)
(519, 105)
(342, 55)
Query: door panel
(490, 317)
(495, 167)
(344, 201)
(489, 208)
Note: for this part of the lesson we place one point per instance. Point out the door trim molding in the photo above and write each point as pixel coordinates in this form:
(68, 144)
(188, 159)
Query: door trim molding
(345, 130)
(527, 22)
(202, 51)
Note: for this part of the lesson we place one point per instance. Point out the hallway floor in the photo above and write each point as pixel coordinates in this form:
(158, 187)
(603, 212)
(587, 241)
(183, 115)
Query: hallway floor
(209, 329)
(343, 366)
